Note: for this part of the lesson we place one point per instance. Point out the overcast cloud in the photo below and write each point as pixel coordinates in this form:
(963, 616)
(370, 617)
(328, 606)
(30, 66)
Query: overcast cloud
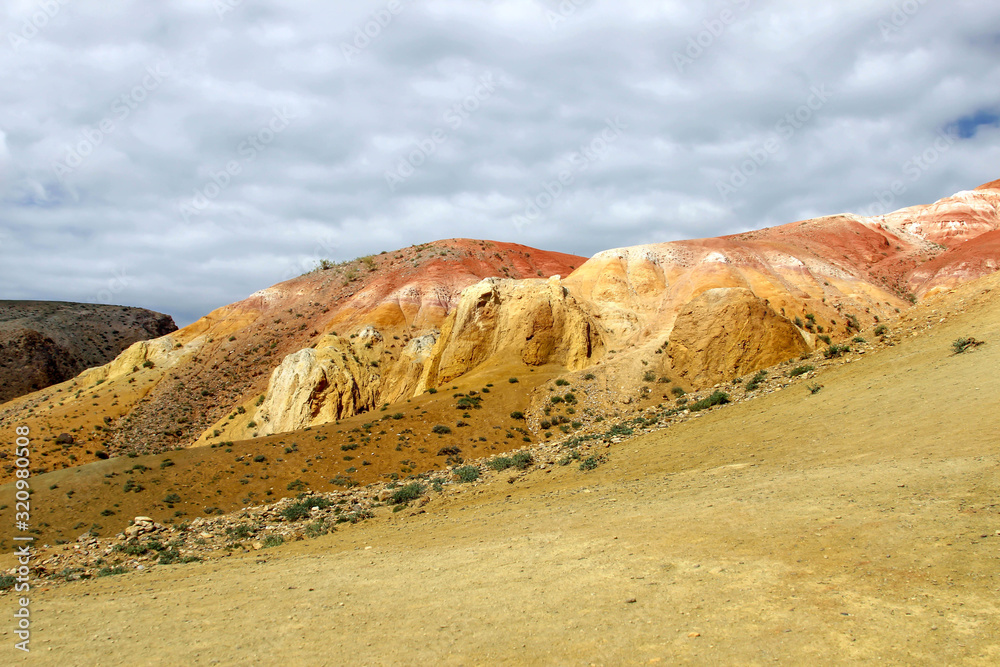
(180, 156)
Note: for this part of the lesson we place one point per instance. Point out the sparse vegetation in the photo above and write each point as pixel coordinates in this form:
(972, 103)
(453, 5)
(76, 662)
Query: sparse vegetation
(757, 380)
(467, 474)
(835, 351)
(405, 494)
(441, 429)
(800, 370)
(717, 398)
(963, 344)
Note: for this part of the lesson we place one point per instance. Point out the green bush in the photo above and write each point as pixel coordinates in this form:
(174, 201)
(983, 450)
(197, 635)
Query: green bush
(316, 528)
(441, 429)
(467, 473)
(881, 329)
(500, 463)
(717, 398)
(835, 351)
(242, 531)
(405, 494)
(589, 376)
(562, 383)
(800, 370)
(517, 414)
(522, 460)
(678, 391)
(649, 376)
(963, 344)
(107, 571)
(825, 339)
(172, 498)
(302, 508)
(273, 541)
(757, 380)
(512, 380)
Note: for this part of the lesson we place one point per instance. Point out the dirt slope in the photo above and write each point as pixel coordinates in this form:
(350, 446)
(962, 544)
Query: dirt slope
(168, 393)
(854, 525)
(46, 342)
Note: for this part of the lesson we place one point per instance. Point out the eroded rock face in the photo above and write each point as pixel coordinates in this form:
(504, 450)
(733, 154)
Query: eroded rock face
(534, 322)
(725, 333)
(321, 384)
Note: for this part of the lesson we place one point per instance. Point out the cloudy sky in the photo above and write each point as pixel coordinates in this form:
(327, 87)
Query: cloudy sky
(179, 156)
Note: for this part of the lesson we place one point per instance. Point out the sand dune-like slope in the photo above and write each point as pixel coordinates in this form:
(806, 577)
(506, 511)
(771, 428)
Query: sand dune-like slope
(857, 524)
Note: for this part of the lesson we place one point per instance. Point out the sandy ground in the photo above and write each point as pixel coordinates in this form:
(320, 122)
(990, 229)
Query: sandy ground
(860, 524)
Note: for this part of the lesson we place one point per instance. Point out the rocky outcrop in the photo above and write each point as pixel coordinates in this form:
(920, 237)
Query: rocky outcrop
(726, 333)
(46, 342)
(531, 322)
(322, 384)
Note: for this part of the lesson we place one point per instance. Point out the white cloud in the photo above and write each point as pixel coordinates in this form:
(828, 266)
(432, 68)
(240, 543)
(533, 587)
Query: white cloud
(319, 188)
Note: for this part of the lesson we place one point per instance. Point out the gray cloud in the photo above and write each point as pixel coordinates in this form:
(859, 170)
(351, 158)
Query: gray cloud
(188, 197)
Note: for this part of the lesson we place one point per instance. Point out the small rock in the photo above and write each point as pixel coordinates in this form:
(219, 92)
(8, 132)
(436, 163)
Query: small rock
(692, 635)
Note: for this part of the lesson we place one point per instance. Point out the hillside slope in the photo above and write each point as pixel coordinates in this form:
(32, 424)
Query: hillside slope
(859, 521)
(46, 342)
(168, 393)
(381, 331)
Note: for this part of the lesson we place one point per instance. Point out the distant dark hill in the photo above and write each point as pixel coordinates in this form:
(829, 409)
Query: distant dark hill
(46, 342)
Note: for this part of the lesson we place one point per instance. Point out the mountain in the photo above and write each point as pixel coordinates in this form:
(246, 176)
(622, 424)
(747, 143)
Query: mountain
(461, 347)
(46, 342)
(851, 512)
